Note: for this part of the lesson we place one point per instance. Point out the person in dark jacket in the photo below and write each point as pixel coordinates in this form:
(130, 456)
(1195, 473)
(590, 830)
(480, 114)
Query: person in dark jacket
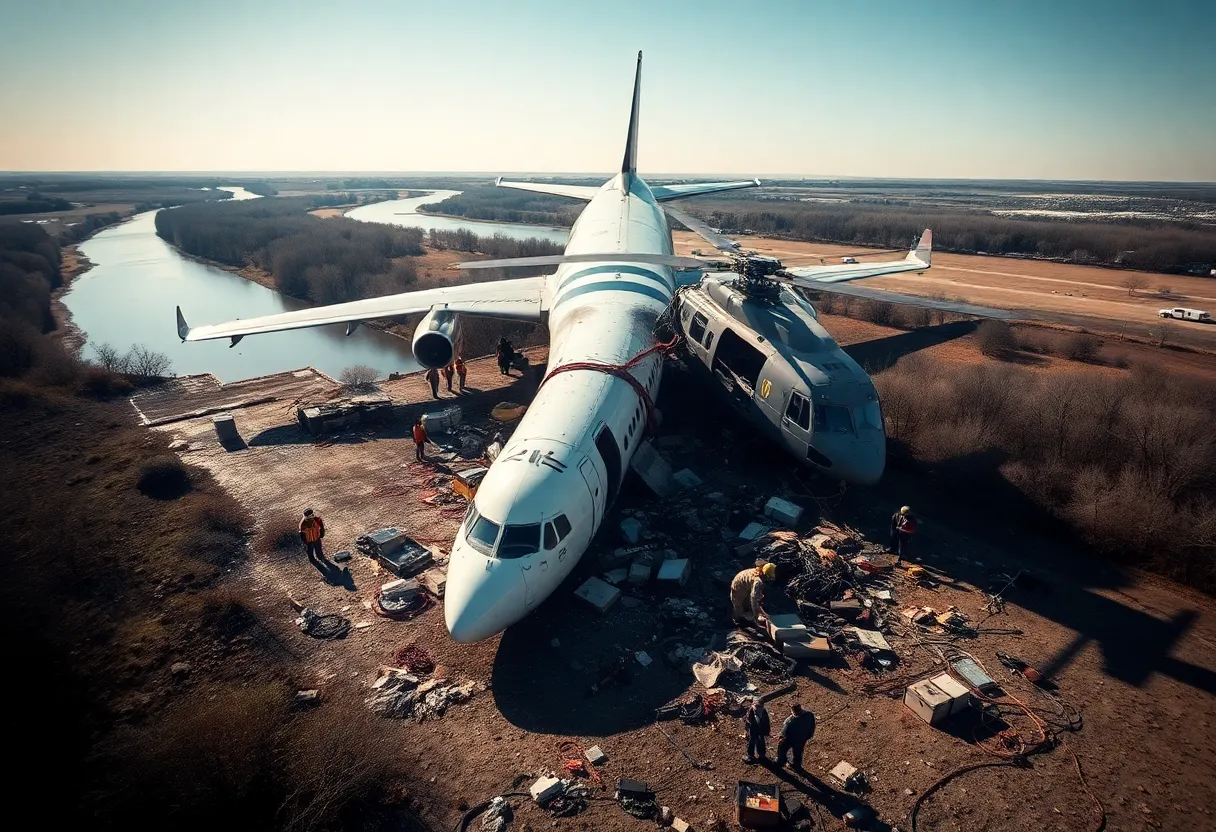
(506, 355)
(796, 732)
(903, 525)
(432, 378)
(756, 724)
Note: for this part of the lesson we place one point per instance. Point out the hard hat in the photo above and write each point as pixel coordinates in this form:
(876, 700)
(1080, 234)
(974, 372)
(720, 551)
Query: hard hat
(768, 571)
(308, 512)
(905, 510)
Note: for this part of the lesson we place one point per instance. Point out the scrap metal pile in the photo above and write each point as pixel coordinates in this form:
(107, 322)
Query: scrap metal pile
(403, 695)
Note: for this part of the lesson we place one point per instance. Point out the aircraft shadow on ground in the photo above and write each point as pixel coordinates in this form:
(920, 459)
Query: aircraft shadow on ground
(880, 353)
(548, 690)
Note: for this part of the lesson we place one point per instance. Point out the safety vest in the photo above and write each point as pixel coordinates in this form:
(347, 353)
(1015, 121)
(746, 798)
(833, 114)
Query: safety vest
(448, 370)
(460, 368)
(419, 434)
(311, 528)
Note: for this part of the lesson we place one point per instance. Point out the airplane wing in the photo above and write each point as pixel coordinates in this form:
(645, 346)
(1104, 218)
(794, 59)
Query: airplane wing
(583, 192)
(918, 260)
(511, 299)
(664, 193)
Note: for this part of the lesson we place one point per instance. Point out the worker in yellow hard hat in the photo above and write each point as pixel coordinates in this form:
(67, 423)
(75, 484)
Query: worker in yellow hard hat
(747, 593)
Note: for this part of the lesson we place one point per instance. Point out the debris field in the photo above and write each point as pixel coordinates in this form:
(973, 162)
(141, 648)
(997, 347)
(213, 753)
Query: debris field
(1086, 694)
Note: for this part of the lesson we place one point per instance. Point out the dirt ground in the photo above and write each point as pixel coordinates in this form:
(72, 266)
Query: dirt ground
(1132, 653)
(1061, 293)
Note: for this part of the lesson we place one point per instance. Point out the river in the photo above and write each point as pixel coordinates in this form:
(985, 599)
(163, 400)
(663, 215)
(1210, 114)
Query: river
(137, 279)
(405, 212)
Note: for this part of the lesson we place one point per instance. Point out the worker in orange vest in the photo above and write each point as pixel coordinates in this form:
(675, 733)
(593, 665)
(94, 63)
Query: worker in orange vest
(419, 440)
(448, 373)
(432, 378)
(312, 529)
(461, 371)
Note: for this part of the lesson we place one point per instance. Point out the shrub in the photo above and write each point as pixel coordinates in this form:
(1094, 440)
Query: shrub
(215, 548)
(101, 383)
(1082, 347)
(164, 478)
(995, 339)
(221, 514)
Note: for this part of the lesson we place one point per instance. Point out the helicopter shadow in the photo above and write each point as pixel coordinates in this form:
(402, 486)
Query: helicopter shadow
(881, 353)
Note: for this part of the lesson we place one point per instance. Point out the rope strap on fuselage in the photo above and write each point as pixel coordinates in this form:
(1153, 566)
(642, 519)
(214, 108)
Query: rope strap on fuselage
(621, 371)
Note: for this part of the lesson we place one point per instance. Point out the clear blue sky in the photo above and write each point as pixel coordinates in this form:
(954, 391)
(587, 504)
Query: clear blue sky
(1058, 89)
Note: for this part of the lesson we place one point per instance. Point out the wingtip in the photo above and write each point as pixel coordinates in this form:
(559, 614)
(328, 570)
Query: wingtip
(757, 181)
(183, 328)
(498, 182)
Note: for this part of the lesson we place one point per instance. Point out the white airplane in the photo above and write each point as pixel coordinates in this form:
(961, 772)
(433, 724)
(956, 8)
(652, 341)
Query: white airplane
(539, 506)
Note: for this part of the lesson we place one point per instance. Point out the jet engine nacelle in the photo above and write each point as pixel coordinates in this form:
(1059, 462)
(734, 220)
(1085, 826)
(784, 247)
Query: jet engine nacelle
(436, 339)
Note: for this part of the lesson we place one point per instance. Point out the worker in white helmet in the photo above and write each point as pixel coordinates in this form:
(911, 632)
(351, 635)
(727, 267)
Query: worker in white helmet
(747, 593)
(903, 526)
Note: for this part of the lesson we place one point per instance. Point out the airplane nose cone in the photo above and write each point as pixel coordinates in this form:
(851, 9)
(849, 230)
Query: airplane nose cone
(480, 602)
(866, 461)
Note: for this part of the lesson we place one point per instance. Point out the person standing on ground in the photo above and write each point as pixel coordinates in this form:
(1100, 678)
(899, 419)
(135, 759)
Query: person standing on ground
(461, 372)
(448, 373)
(756, 724)
(432, 378)
(796, 732)
(747, 593)
(903, 525)
(419, 441)
(505, 353)
(312, 529)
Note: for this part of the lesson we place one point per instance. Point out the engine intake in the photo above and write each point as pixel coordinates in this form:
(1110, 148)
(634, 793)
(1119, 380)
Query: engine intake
(437, 339)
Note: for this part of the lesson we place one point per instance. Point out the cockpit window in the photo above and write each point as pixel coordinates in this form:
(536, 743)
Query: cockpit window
(562, 525)
(868, 416)
(483, 534)
(798, 410)
(832, 419)
(518, 541)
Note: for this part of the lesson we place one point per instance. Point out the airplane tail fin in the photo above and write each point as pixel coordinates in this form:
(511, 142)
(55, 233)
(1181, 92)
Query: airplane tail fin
(629, 166)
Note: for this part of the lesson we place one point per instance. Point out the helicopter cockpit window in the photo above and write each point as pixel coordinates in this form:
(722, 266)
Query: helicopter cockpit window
(798, 411)
(832, 419)
(696, 330)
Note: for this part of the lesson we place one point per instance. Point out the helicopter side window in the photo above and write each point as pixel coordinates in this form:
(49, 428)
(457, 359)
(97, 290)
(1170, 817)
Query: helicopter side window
(696, 330)
(709, 341)
(798, 410)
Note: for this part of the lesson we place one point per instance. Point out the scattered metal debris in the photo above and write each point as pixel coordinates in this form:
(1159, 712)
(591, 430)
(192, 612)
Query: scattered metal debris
(327, 626)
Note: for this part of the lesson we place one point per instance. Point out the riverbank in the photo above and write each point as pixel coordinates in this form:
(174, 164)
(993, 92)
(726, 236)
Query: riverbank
(421, 210)
(73, 263)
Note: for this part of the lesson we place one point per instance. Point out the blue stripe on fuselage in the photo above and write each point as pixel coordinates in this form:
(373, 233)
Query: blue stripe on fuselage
(618, 286)
(620, 268)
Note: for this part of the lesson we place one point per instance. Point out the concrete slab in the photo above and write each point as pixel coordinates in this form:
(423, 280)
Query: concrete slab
(653, 470)
(675, 571)
(783, 511)
(599, 595)
(686, 478)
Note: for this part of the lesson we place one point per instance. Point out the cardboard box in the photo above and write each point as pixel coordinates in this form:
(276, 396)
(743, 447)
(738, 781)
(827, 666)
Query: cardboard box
(812, 649)
(757, 805)
(928, 701)
(787, 628)
(960, 694)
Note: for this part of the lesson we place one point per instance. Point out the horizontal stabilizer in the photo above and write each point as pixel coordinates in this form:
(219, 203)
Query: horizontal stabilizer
(516, 300)
(918, 260)
(672, 261)
(583, 192)
(665, 193)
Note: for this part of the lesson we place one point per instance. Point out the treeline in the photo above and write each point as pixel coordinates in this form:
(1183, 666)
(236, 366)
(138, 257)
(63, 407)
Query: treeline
(88, 225)
(320, 260)
(1128, 462)
(1148, 246)
(29, 271)
(496, 246)
(34, 203)
(506, 205)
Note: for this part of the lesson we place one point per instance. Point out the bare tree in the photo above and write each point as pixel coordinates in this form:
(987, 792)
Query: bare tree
(359, 378)
(995, 338)
(111, 359)
(147, 364)
(1160, 333)
(1134, 282)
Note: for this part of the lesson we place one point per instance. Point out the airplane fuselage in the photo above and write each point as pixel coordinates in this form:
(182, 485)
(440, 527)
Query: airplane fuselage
(546, 495)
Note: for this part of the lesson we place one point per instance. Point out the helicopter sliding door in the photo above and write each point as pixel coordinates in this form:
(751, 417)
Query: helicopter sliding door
(738, 364)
